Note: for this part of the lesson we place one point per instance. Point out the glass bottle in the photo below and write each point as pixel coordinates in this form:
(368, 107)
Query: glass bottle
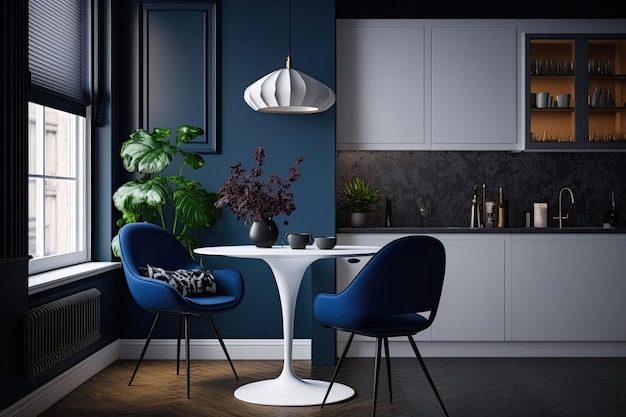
(612, 216)
(388, 214)
(501, 209)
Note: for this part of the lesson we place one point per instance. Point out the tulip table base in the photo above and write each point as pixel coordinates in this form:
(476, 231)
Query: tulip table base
(288, 267)
(292, 391)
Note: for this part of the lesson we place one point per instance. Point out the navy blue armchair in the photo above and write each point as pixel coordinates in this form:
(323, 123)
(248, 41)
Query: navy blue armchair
(143, 244)
(395, 294)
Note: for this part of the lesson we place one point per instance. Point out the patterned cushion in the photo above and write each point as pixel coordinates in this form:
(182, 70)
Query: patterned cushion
(188, 282)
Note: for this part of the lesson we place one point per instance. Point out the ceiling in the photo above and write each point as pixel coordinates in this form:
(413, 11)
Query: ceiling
(396, 9)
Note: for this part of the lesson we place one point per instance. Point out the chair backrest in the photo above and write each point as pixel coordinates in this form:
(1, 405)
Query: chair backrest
(146, 243)
(405, 276)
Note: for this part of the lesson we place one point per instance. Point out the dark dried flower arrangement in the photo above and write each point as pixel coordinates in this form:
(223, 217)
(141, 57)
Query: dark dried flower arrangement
(251, 198)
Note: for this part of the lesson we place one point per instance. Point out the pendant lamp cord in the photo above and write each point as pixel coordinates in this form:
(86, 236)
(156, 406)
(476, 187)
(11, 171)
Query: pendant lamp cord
(288, 64)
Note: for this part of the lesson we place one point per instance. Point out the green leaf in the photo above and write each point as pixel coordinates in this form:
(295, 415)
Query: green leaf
(115, 245)
(161, 133)
(143, 191)
(194, 160)
(196, 207)
(146, 152)
(187, 133)
(182, 182)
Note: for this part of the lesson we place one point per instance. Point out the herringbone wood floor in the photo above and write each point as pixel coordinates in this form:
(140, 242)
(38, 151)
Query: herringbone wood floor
(489, 387)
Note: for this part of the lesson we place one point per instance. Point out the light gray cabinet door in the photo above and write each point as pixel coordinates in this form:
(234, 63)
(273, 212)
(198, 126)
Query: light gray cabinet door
(472, 301)
(380, 85)
(474, 88)
(568, 289)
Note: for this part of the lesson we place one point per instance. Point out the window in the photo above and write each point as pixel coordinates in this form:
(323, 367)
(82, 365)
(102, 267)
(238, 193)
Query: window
(60, 64)
(56, 188)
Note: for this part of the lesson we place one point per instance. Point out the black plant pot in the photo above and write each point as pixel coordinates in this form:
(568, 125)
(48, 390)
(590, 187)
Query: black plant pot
(264, 233)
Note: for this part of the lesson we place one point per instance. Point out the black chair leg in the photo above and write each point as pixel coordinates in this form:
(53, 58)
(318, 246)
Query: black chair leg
(145, 347)
(388, 362)
(187, 325)
(219, 337)
(432, 384)
(379, 341)
(180, 330)
(336, 371)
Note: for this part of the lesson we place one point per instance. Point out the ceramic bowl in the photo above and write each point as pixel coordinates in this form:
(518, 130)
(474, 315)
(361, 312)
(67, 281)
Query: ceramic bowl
(326, 242)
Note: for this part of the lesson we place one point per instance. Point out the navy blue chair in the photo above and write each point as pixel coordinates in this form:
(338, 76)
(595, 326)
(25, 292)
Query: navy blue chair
(145, 243)
(395, 294)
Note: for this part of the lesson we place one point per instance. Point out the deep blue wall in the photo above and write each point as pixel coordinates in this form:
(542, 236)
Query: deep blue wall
(254, 40)
(254, 43)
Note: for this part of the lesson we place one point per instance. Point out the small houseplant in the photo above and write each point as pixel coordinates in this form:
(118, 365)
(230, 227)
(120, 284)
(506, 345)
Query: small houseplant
(144, 198)
(358, 199)
(258, 201)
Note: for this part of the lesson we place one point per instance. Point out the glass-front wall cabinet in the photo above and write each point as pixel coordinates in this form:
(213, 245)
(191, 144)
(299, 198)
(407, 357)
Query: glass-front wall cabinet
(576, 92)
(606, 80)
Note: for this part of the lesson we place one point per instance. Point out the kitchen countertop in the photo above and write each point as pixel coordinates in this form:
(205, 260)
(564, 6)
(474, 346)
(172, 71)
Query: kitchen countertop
(430, 230)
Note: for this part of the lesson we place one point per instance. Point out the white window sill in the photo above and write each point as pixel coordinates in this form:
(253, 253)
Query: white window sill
(51, 279)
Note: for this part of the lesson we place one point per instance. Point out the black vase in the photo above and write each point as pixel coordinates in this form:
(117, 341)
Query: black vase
(264, 233)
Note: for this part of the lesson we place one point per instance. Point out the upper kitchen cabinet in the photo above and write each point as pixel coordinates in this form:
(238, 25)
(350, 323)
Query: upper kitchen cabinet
(426, 84)
(606, 92)
(380, 85)
(474, 88)
(576, 95)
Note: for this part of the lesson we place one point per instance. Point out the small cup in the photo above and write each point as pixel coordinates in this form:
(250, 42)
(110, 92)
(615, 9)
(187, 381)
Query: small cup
(328, 242)
(540, 215)
(543, 100)
(562, 101)
(298, 240)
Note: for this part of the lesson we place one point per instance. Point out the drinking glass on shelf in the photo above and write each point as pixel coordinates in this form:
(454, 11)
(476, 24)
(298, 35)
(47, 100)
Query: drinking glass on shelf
(424, 205)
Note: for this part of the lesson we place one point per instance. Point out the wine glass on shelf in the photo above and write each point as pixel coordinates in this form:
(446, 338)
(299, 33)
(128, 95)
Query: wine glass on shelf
(424, 205)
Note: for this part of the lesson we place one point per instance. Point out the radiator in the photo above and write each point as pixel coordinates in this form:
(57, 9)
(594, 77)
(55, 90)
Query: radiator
(57, 330)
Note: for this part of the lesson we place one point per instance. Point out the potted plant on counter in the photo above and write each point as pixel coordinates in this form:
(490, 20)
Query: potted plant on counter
(358, 198)
(144, 198)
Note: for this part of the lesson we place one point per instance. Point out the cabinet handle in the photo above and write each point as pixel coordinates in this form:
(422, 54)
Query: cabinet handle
(354, 260)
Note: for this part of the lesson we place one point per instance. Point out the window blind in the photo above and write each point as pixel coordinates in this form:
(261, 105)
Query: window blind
(58, 54)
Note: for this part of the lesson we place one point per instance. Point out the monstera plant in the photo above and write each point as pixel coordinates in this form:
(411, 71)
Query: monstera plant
(146, 198)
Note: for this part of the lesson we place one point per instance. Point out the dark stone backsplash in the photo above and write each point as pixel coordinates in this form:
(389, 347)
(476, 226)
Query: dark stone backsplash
(448, 178)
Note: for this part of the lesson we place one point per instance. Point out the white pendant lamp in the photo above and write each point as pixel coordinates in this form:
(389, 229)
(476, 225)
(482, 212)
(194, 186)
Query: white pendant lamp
(287, 90)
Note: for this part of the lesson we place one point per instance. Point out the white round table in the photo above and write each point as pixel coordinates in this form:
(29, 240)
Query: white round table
(288, 266)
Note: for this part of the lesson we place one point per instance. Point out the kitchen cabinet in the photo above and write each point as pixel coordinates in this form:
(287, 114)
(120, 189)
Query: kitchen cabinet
(449, 84)
(591, 71)
(474, 88)
(380, 85)
(421, 85)
(568, 288)
(510, 291)
(472, 302)
(606, 87)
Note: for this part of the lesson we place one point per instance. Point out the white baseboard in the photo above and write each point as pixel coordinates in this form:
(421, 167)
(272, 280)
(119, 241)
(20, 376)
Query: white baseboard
(208, 349)
(402, 349)
(43, 397)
